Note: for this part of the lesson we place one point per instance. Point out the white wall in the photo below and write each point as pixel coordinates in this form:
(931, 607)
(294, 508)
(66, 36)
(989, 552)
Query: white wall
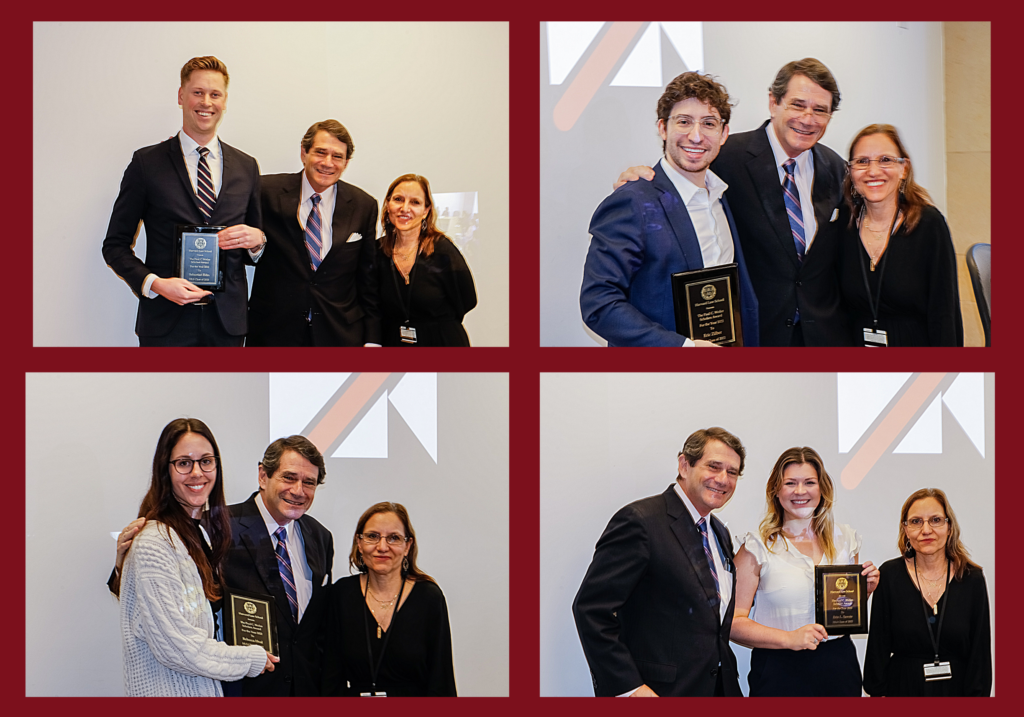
(610, 439)
(885, 74)
(427, 98)
(92, 438)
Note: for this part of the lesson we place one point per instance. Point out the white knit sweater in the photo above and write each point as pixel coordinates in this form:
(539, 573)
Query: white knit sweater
(167, 625)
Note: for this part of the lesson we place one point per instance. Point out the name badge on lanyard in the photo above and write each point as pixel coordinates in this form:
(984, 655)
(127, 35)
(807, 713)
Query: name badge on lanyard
(875, 338)
(407, 334)
(934, 671)
(373, 694)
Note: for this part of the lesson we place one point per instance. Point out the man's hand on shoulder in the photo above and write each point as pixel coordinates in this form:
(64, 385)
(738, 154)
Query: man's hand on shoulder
(179, 291)
(240, 236)
(632, 174)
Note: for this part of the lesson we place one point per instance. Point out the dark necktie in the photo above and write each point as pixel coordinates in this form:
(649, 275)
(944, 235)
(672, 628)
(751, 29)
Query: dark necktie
(204, 186)
(284, 566)
(313, 229)
(703, 528)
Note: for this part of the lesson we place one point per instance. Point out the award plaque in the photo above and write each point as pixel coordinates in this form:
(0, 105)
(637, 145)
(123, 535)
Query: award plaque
(250, 619)
(707, 304)
(197, 258)
(841, 599)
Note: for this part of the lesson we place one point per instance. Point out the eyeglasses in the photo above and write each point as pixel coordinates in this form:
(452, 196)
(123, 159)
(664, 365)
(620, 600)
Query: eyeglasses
(208, 464)
(884, 162)
(799, 107)
(917, 523)
(706, 125)
(374, 538)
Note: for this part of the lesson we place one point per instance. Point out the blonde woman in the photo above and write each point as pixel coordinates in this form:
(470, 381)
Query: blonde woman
(792, 655)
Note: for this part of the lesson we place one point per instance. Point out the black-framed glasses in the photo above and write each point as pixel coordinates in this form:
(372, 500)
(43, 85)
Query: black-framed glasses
(374, 538)
(884, 162)
(207, 464)
(935, 521)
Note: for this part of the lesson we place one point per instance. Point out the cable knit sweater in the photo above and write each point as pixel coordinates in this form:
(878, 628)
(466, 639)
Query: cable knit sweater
(167, 625)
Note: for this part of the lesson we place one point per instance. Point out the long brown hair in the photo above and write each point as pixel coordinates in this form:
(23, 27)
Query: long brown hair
(429, 233)
(822, 523)
(955, 550)
(355, 561)
(912, 197)
(161, 505)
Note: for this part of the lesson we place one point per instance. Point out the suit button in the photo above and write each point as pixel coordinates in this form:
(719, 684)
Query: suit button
(714, 672)
(799, 283)
(789, 323)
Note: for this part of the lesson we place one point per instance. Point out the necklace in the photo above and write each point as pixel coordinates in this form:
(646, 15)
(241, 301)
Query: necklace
(383, 603)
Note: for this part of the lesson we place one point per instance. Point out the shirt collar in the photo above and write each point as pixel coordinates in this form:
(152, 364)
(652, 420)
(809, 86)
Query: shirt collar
(803, 160)
(694, 513)
(308, 191)
(189, 145)
(272, 524)
(687, 189)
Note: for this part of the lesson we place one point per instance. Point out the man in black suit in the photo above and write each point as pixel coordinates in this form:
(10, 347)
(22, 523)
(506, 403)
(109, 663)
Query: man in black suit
(791, 256)
(316, 285)
(193, 179)
(655, 608)
(289, 474)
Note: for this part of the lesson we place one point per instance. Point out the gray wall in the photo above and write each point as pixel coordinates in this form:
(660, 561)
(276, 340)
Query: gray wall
(430, 99)
(93, 437)
(885, 74)
(610, 439)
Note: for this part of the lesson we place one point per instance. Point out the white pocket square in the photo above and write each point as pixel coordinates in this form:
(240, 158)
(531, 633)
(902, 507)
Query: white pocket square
(354, 236)
(835, 215)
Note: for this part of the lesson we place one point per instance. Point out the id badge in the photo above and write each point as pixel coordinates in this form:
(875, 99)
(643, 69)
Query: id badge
(407, 334)
(934, 671)
(875, 338)
(373, 694)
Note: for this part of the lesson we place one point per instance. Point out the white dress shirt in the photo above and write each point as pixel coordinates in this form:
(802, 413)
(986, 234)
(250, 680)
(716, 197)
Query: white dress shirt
(803, 175)
(785, 592)
(707, 214)
(296, 553)
(327, 200)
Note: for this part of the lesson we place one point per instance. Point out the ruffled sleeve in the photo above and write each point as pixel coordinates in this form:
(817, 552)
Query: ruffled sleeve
(755, 547)
(851, 539)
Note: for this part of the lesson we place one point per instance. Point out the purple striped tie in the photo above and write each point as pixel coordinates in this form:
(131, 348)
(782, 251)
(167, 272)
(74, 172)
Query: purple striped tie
(284, 566)
(703, 528)
(204, 186)
(793, 210)
(313, 230)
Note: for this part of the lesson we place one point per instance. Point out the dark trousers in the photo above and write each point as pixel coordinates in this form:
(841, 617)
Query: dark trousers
(199, 325)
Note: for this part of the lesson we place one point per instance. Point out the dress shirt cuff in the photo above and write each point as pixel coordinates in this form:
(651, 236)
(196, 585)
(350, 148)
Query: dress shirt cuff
(630, 693)
(688, 343)
(255, 254)
(376, 346)
(147, 287)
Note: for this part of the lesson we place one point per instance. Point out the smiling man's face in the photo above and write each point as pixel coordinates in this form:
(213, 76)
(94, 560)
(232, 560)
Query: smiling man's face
(797, 118)
(203, 99)
(709, 484)
(289, 492)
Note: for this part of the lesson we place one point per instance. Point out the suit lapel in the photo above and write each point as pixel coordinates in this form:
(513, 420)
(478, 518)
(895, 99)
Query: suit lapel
(288, 207)
(177, 159)
(824, 189)
(686, 532)
(314, 554)
(679, 218)
(257, 542)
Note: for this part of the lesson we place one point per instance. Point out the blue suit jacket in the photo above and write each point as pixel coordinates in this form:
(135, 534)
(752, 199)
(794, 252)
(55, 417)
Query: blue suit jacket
(640, 235)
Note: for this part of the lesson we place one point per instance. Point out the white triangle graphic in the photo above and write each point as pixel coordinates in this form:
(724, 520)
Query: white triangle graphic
(926, 434)
(369, 437)
(965, 399)
(861, 397)
(295, 398)
(567, 41)
(643, 66)
(415, 399)
(688, 40)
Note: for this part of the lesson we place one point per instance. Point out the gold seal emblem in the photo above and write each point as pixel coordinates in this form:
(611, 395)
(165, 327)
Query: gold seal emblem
(249, 607)
(841, 583)
(708, 292)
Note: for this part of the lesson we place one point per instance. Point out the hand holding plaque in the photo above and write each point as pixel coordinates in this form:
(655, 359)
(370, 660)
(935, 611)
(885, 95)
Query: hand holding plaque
(250, 619)
(707, 304)
(841, 599)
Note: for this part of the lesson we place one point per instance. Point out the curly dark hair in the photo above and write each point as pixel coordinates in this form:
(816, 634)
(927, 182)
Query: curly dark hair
(694, 85)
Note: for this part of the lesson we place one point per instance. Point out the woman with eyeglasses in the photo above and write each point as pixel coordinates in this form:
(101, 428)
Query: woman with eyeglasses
(423, 281)
(387, 631)
(792, 655)
(897, 264)
(930, 633)
(169, 586)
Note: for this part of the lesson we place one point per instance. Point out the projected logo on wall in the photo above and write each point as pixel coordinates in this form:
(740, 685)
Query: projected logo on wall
(345, 415)
(569, 42)
(880, 410)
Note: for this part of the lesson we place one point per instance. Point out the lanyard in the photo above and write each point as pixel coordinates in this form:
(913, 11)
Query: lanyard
(875, 303)
(375, 669)
(406, 308)
(924, 606)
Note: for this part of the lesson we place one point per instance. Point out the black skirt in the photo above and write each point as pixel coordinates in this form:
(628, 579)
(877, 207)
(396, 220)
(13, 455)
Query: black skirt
(830, 671)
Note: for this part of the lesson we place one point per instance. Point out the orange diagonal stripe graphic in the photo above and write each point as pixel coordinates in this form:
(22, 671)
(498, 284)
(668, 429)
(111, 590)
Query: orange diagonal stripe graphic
(340, 415)
(890, 427)
(593, 73)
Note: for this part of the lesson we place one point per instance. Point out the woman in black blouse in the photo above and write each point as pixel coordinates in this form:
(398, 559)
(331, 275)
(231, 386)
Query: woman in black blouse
(897, 264)
(929, 616)
(387, 631)
(424, 284)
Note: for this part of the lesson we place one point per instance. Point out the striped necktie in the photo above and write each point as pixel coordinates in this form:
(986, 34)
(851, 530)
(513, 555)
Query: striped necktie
(284, 566)
(313, 229)
(703, 528)
(796, 215)
(204, 186)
